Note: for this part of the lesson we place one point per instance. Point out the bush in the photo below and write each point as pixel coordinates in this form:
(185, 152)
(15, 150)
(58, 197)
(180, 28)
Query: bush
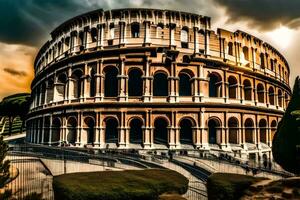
(228, 186)
(114, 185)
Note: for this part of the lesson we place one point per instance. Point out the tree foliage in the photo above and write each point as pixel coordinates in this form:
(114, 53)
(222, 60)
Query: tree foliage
(287, 136)
(4, 164)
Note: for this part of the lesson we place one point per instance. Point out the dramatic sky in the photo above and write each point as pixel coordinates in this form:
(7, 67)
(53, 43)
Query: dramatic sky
(25, 25)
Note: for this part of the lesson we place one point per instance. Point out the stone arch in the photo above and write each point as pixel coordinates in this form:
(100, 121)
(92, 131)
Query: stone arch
(60, 86)
(76, 84)
(215, 85)
(262, 60)
(262, 124)
(247, 90)
(92, 82)
(280, 98)
(135, 82)
(71, 130)
(111, 130)
(187, 125)
(233, 87)
(214, 130)
(135, 30)
(230, 48)
(185, 85)
(273, 128)
(249, 130)
(260, 93)
(233, 130)
(111, 81)
(56, 130)
(271, 95)
(246, 53)
(136, 130)
(161, 135)
(89, 126)
(160, 84)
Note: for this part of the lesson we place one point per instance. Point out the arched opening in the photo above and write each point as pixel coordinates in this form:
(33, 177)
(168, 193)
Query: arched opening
(273, 129)
(184, 37)
(60, 87)
(135, 30)
(92, 83)
(213, 130)
(76, 84)
(233, 130)
(215, 85)
(232, 84)
(111, 82)
(280, 98)
(247, 90)
(46, 129)
(135, 83)
(160, 85)
(72, 131)
(90, 130)
(186, 131)
(161, 131)
(94, 35)
(56, 126)
(111, 130)
(50, 90)
(246, 53)
(230, 49)
(260, 93)
(185, 88)
(286, 98)
(81, 40)
(136, 132)
(263, 130)
(271, 96)
(249, 131)
(262, 60)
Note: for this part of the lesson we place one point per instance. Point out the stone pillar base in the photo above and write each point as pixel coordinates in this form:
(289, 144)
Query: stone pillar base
(147, 98)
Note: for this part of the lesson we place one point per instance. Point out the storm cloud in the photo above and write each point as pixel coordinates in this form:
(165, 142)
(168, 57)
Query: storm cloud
(14, 72)
(30, 22)
(263, 14)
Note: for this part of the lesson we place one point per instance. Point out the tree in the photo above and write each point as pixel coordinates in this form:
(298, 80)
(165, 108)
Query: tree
(4, 164)
(287, 136)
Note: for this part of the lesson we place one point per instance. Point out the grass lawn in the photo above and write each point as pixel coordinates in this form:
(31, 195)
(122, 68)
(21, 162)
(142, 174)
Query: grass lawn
(114, 185)
(229, 186)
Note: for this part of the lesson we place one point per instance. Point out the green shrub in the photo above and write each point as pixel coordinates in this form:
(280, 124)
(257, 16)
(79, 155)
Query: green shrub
(115, 185)
(228, 186)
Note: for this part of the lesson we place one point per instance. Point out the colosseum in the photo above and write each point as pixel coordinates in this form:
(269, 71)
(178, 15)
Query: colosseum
(155, 80)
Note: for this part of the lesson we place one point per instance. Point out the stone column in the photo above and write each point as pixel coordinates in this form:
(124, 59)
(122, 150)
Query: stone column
(79, 129)
(207, 41)
(85, 84)
(122, 132)
(196, 40)
(147, 33)
(100, 35)
(123, 95)
(147, 82)
(50, 131)
(43, 130)
(97, 131)
(172, 27)
(173, 85)
(122, 25)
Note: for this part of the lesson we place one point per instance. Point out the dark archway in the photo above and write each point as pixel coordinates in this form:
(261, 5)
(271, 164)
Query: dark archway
(56, 126)
(186, 131)
(76, 83)
(90, 130)
(233, 130)
(232, 84)
(136, 132)
(185, 88)
(135, 30)
(271, 96)
(111, 82)
(273, 129)
(72, 130)
(135, 83)
(280, 98)
(215, 85)
(246, 53)
(247, 90)
(213, 129)
(160, 85)
(263, 130)
(92, 83)
(111, 130)
(249, 131)
(260, 93)
(161, 131)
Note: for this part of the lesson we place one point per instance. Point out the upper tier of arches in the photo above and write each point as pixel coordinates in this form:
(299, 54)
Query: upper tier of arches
(188, 33)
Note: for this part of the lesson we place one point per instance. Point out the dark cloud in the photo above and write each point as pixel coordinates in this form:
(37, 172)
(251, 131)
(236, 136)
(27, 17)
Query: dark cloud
(14, 72)
(263, 14)
(30, 21)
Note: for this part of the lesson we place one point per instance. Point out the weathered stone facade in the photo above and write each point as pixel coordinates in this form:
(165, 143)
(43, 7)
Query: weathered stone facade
(156, 79)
